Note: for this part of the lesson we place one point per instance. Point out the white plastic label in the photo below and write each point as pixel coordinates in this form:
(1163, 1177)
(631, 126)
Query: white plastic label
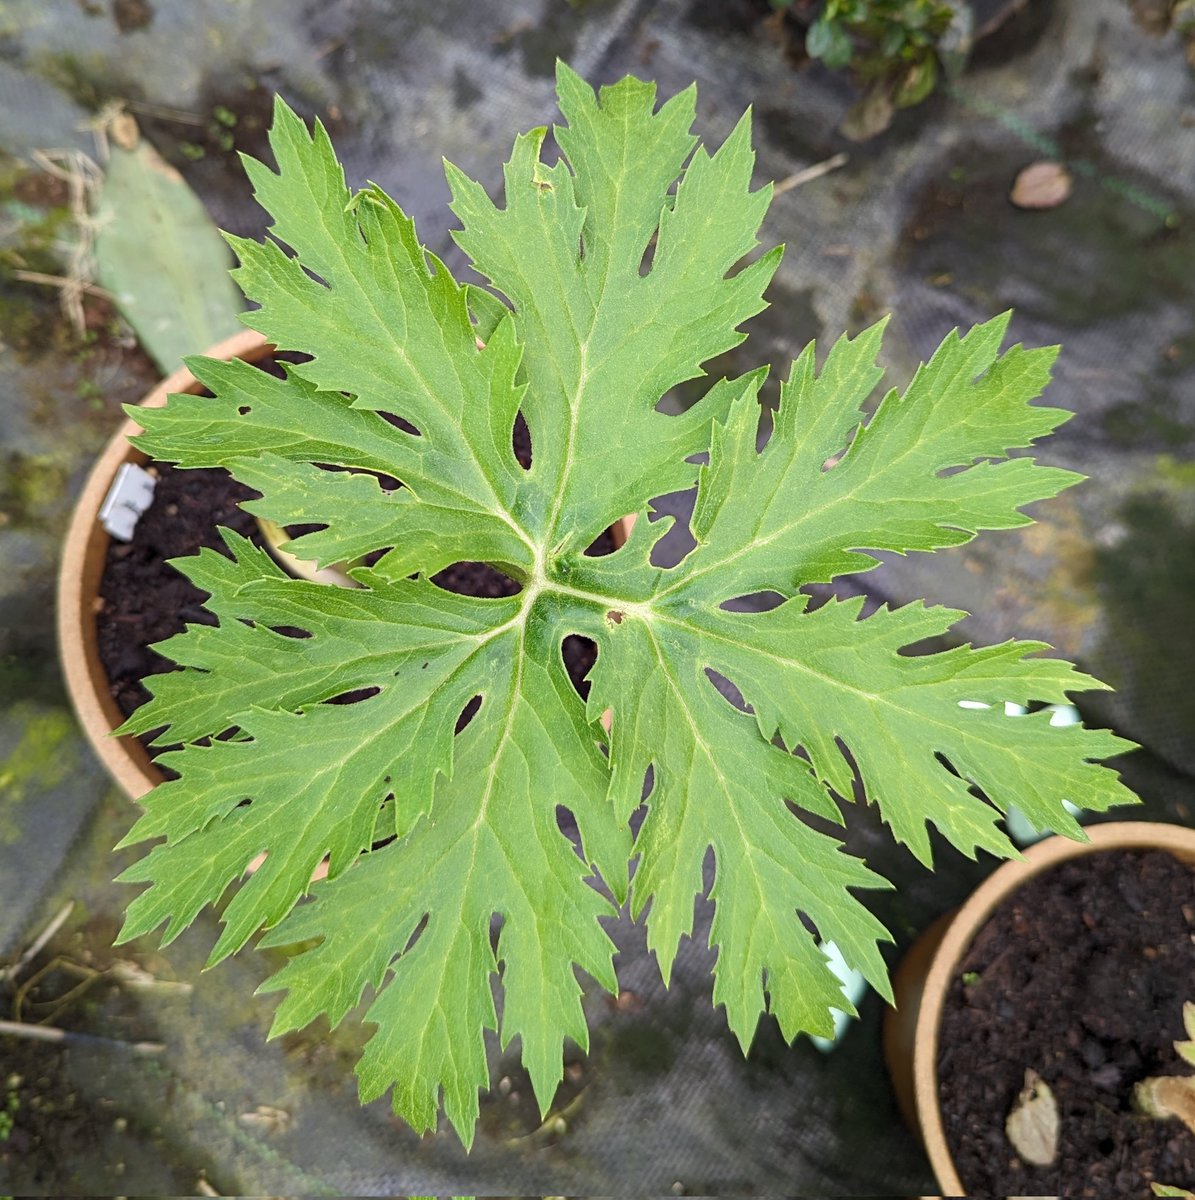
(854, 988)
(131, 493)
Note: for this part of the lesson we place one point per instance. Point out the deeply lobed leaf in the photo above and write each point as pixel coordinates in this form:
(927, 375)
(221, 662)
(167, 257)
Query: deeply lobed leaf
(616, 273)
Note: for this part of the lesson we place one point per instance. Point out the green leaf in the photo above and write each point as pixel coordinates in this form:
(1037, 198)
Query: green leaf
(928, 470)
(423, 742)
(161, 257)
(920, 80)
(566, 252)
(830, 42)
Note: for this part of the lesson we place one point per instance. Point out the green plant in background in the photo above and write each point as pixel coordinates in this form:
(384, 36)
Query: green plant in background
(614, 274)
(12, 1106)
(890, 46)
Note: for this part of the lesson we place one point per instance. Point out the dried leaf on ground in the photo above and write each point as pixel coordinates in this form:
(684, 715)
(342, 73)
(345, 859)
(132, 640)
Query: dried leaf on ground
(1042, 185)
(161, 257)
(1033, 1124)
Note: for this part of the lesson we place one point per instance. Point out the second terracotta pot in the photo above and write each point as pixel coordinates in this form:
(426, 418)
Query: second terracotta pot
(925, 975)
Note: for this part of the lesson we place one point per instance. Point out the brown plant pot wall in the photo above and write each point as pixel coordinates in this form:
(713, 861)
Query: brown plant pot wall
(79, 579)
(922, 980)
(82, 567)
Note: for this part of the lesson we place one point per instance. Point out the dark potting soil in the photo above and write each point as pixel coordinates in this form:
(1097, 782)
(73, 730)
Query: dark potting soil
(144, 600)
(1080, 976)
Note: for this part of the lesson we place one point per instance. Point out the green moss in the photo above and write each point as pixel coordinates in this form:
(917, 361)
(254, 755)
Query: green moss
(82, 77)
(26, 321)
(1146, 581)
(39, 236)
(31, 488)
(35, 239)
(45, 755)
(1177, 474)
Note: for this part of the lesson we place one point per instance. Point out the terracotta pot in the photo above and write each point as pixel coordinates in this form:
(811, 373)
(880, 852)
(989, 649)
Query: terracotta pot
(79, 582)
(922, 980)
(82, 567)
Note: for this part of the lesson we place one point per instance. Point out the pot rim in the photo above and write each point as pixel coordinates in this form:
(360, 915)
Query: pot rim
(1178, 840)
(79, 573)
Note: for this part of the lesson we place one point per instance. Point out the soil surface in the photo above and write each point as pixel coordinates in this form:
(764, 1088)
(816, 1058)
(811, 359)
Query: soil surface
(1081, 977)
(145, 600)
(63, 1118)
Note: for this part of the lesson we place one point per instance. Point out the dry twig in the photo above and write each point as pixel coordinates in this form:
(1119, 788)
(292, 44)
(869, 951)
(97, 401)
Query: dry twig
(34, 948)
(809, 174)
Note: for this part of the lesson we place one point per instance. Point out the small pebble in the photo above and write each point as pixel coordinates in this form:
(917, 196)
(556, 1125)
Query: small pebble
(1041, 185)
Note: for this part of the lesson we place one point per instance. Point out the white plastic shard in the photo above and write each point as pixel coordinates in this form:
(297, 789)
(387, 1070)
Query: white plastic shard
(854, 987)
(131, 493)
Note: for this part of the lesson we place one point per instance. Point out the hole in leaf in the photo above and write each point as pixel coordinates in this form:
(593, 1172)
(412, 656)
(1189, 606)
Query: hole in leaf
(834, 460)
(649, 785)
(277, 362)
(649, 256)
(386, 482)
(297, 531)
(931, 645)
(858, 791)
(354, 696)
(754, 602)
(520, 441)
(959, 468)
(382, 843)
(948, 766)
(601, 545)
(728, 691)
(291, 631)
(476, 579)
(400, 423)
(245, 410)
(468, 713)
(567, 824)
(579, 655)
(416, 934)
(677, 541)
(768, 408)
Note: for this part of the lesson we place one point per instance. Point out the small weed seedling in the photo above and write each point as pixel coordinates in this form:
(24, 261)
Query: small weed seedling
(614, 273)
(892, 48)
